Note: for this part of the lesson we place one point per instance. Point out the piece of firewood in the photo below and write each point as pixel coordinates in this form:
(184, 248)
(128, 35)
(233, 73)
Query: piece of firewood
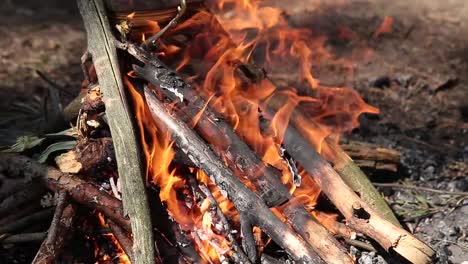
(122, 236)
(31, 192)
(371, 156)
(27, 221)
(239, 157)
(24, 238)
(80, 191)
(119, 116)
(243, 198)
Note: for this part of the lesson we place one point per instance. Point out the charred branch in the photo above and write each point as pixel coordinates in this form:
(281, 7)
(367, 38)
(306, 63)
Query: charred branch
(24, 238)
(215, 130)
(244, 199)
(239, 157)
(27, 221)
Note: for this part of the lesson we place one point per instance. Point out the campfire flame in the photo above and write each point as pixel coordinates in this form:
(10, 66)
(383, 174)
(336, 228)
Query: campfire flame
(215, 53)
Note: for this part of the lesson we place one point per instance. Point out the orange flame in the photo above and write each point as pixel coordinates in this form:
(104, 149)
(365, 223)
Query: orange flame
(385, 27)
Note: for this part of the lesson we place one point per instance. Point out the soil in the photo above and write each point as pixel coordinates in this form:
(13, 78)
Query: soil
(416, 76)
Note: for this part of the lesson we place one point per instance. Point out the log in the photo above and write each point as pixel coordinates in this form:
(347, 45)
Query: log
(31, 191)
(78, 190)
(88, 195)
(104, 54)
(358, 214)
(27, 221)
(244, 199)
(239, 157)
(369, 156)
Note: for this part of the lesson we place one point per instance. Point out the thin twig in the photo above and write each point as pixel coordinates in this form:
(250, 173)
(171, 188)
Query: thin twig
(27, 221)
(360, 244)
(419, 188)
(151, 42)
(23, 238)
(62, 201)
(52, 83)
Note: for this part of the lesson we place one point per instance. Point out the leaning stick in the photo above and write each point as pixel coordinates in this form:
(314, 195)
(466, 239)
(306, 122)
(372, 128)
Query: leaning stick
(358, 214)
(104, 54)
(243, 198)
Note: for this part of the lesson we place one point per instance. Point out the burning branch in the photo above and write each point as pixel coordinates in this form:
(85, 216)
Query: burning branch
(244, 199)
(357, 213)
(238, 155)
(104, 54)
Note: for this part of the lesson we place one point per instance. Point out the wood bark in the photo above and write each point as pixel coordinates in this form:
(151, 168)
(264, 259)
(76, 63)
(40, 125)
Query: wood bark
(243, 198)
(124, 240)
(80, 191)
(104, 54)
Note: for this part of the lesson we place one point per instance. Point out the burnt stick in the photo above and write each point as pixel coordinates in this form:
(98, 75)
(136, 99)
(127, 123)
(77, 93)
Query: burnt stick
(243, 198)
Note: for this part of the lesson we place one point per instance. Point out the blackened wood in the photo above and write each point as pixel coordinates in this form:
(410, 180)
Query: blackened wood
(62, 202)
(134, 196)
(30, 192)
(231, 187)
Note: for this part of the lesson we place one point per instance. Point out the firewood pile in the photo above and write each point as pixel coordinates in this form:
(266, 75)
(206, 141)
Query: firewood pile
(187, 150)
